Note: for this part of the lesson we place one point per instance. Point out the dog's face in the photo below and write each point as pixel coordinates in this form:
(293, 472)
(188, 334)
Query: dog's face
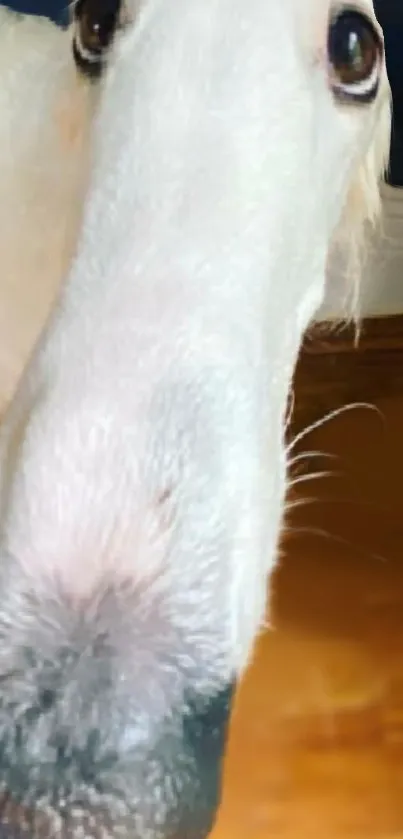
(198, 185)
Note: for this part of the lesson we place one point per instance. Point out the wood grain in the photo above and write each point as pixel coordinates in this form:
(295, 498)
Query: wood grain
(335, 368)
(316, 748)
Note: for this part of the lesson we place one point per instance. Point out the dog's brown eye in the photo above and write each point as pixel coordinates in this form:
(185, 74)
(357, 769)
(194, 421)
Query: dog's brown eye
(96, 22)
(355, 55)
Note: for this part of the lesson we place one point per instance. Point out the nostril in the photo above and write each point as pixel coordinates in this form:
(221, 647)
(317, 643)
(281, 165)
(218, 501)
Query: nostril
(87, 751)
(47, 821)
(47, 699)
(8, 831)
(15, 820)
(169, 788)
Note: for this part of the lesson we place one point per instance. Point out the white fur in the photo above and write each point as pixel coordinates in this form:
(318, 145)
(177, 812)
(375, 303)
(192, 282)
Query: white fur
(146, 439)
(46, 114)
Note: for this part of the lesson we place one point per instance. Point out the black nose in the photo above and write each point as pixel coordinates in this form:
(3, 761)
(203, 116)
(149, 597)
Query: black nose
(11, 831)
(102, 732)
(203, 745)
(167, 788)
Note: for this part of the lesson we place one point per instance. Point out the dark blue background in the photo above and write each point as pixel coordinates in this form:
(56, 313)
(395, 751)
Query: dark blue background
(56, 10)
(390, 14)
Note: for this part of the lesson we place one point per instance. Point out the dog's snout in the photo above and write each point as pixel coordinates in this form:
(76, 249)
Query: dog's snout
(170, 792)
(88, 752)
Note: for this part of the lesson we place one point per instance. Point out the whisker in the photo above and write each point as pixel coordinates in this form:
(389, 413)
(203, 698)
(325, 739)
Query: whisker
(289, 410)
(367, 503)
(330, 416)
(312, 476)
(317, 531)
(312, 454)
(300, 502)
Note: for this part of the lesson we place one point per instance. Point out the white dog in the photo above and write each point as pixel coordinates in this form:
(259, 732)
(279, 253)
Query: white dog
(143, 467)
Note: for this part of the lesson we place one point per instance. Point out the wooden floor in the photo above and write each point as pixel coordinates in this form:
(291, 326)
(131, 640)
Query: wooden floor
(316, 747)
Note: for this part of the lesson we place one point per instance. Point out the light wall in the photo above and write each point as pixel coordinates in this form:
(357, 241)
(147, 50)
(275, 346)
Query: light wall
(382, 285)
